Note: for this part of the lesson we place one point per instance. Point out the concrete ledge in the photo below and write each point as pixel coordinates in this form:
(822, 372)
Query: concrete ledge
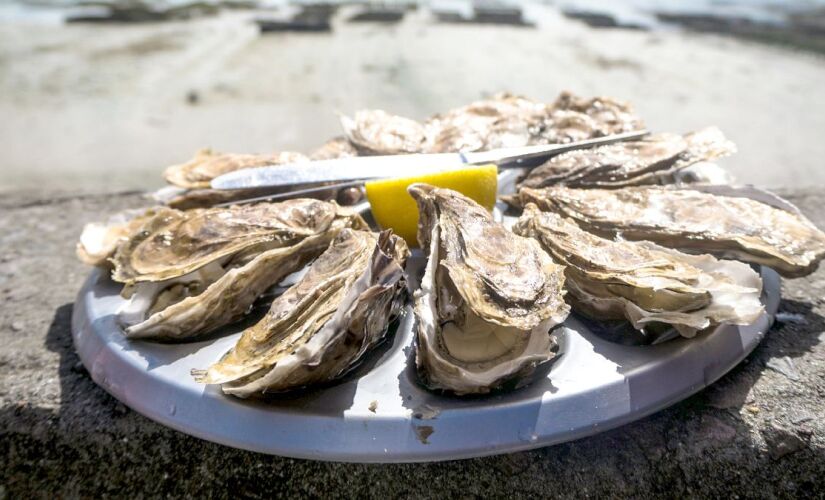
(758, 432)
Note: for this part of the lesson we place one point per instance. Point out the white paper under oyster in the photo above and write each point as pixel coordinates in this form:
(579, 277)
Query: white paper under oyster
(644, 282)
(729, 224)
(488, 298)
(324, 324)
(189, 273)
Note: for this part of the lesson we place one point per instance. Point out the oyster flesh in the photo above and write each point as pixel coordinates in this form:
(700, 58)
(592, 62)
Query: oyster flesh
(651, 160)
(207, 164)
(323, 325)
(644, 282)
(188, 273)
(727, 224)
(376, 132)
(487, 301)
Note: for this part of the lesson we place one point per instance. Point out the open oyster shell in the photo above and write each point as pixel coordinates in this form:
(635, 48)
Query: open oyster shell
(207, 164)
(488, 298)
(725, 224)
(189, 273)
(651, 160)
(323, 325)
(644, 282)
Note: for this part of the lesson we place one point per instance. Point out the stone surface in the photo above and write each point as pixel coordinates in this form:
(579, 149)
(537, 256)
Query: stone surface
(61, 435)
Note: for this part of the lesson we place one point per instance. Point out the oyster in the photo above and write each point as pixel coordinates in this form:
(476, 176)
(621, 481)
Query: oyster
(376, 132)
(652, 160)
(188, 273)
(207, 164)
(611, 116)
(99, 240)
(323, 325)
(503, 121)
(339, 147)
(488, 298)
(728, 224)
(644, 282)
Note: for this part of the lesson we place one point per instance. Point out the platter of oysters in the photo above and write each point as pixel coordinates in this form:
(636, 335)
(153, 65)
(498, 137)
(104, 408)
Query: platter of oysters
(605, 284)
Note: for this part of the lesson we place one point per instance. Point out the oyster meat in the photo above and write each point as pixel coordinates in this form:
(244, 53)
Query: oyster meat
(188, 273)
(207, 164)
(652, 160)
(487, 301)
(726, 224)
(376, 132)
(323, 325)
(644, 282)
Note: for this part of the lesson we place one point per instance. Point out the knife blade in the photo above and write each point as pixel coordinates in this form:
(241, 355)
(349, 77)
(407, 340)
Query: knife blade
(380, 167)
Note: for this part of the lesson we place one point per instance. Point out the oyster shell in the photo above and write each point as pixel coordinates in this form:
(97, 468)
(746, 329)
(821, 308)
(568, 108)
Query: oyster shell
(488, 298)
(652, 160)
(189, 273)
(207, 164)
(376, 132)
(644, 282)
(611, 115)
(99, 240)
(323, 325)
(174, 243)
(727, 225)
(339, 147)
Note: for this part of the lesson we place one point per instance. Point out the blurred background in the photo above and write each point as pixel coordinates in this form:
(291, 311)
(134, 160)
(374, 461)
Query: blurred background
(98, 96)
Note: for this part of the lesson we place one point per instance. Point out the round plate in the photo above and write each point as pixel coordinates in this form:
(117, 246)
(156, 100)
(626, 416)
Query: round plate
(379, 413)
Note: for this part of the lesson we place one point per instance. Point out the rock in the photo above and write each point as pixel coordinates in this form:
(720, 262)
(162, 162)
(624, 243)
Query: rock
(782, 441)
(17, 326)
(785, 366)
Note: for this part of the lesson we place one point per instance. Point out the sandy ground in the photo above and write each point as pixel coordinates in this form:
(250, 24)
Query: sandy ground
(105, 107)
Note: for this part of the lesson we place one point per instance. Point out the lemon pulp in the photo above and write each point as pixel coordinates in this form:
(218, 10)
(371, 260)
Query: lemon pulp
(394, 208)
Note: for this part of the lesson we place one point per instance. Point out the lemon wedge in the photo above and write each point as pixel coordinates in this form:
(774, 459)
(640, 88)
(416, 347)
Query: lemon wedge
(394, 208)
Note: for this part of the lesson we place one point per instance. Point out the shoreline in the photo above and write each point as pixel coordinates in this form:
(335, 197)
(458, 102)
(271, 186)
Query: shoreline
(107, 107)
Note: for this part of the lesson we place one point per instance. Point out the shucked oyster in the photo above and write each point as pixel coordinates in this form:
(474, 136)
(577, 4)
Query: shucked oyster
(188, 273)
(652, 160)
(730, 225)
(322, 326)
(644, 282)
(207, 164)
(488, 298)
(376, 132)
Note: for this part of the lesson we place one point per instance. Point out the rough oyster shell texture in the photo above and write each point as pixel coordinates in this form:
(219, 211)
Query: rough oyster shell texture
(487, 301)
(188, 273)
(502, 121)
(207, 164)
(644, 282)
(651, 160)
(324, 324)
(730, 226)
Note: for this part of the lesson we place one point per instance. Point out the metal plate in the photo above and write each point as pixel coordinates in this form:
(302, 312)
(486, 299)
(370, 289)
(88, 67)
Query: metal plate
(379, 413)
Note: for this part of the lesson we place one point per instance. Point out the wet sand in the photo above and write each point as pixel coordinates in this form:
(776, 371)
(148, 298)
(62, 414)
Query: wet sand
(94, 107)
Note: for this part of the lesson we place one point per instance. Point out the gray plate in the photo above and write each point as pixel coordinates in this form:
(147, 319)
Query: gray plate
(593, 386)
(380, 414)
